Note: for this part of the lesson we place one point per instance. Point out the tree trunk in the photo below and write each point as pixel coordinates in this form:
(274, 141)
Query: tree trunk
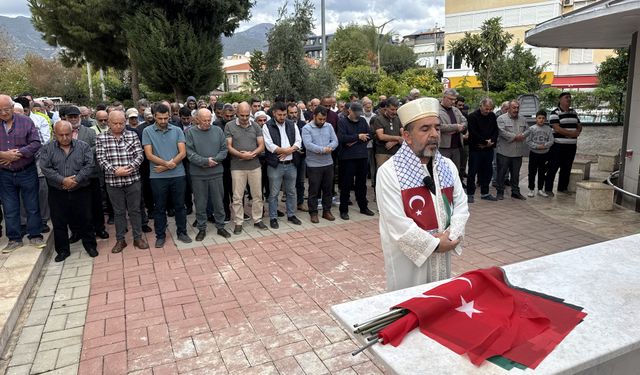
(135, 80)
(177, 91)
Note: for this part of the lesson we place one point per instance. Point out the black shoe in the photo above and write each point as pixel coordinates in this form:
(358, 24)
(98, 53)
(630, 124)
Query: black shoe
(280, 213)
(344, 215)
(223, 232)
(211, 219)
(367, 212)
(237, 229)
(260, 225)
(195, 223)
(294, 220)
(92, 253)
(274, 223)
(246, 217)
(349, 203)
(202, 233)
(62, 256)
(518, 196)
(159, 243)
(488, 197)
(103, 234)
(227, 219)
(45, 229)
(499, 196)
(171, 212)
(507, 183)
(74, 238)
(147, 229)
(110, 220)
(189, 210)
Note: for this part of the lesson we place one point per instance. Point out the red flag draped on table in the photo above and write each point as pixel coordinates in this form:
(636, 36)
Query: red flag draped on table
(479, 314)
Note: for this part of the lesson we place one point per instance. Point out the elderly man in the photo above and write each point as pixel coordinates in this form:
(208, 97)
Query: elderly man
(388, 132)
(102, 122)
(483, 135)
(452, 125)
(206, 150)
(19, 142)
(423, 208)
(68, 164)
(119, 153)
(245, 142)
(164, 146)
(510, 149)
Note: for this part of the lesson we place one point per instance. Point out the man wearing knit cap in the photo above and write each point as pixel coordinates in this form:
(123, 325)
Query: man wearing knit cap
(423, 207)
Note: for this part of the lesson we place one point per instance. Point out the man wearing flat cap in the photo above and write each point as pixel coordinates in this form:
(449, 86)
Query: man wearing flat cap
(423, 207)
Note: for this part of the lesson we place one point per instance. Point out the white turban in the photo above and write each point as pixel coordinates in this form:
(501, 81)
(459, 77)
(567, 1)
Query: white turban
(418, 109)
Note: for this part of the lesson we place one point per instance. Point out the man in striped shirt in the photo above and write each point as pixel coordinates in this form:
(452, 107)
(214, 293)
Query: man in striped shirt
(566, 129)
(119, 153)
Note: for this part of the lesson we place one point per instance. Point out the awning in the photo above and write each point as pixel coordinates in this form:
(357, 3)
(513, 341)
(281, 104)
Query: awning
(575, 81)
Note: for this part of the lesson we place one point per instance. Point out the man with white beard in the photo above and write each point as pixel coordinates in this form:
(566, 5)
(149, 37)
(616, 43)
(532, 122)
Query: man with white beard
(423, 207)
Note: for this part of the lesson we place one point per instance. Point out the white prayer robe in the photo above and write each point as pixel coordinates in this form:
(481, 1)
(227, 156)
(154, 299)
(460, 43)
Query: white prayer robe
(409, 256)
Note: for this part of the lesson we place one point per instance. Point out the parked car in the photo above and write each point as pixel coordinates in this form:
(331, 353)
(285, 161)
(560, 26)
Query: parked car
(529, 105)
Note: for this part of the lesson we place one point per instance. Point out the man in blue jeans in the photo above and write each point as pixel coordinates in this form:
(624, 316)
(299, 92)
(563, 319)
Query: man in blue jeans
(19, 142)
(282, 141)
(164, 146)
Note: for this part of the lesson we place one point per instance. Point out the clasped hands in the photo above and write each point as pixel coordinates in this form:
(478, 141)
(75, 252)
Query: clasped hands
(9, 156)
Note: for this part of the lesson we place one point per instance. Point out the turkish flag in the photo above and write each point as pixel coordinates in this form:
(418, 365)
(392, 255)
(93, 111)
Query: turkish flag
(418, 205)
(478, 314)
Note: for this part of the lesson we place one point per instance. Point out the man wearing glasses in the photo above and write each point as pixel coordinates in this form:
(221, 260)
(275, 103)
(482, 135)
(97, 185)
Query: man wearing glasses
(452, 125)
(19, 142)
(102, 119)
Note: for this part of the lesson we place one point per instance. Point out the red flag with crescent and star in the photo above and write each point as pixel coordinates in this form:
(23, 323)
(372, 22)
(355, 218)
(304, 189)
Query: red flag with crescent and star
(480, 315)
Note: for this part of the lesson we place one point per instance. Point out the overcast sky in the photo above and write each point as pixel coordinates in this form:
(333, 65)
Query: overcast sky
(408, 15)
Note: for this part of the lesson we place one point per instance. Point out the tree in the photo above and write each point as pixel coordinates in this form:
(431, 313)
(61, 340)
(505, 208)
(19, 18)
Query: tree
(322, 82)
(173, 56)
(395, 59)
(361, 80)
(519, 65)
(483, 51)
(347, 48)
(614, 70)
(423, 79)
(257, 63)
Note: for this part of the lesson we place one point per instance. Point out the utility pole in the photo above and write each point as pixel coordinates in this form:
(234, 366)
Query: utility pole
(89, 81)
(324, 36)
(104, 95)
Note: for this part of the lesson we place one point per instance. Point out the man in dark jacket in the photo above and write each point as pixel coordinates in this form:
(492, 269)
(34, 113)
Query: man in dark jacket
(483, 134)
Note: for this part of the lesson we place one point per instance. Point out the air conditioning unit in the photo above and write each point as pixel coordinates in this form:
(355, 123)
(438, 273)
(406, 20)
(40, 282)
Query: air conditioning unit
(567, 3)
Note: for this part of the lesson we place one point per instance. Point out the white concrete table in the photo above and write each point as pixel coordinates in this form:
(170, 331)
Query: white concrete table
(603, 278)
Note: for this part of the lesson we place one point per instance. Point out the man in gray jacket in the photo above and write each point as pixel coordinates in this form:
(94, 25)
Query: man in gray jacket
(206, 149)
(510, 149)
(452, 125)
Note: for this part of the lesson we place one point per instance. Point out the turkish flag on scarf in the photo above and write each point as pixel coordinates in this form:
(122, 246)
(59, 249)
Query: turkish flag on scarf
(480, 315)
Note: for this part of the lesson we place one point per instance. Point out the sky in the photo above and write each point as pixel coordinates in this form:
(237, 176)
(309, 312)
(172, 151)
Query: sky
(408, 16)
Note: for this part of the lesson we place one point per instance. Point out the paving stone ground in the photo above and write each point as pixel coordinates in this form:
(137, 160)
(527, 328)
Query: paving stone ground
(258, 304)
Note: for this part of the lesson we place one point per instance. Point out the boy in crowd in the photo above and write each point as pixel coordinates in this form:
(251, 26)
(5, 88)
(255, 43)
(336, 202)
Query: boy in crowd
(539, 140)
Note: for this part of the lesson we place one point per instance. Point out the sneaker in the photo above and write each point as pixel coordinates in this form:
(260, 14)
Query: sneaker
(542, 193)
(260, 225)
(37, 242)
(183, 237)
(489, 197)
(531, 194)
(159, 243)
(237, 229)
(470, 199)
(227, 219)
(293, 219)
(202, 234)
(11, 247)
(274, 223)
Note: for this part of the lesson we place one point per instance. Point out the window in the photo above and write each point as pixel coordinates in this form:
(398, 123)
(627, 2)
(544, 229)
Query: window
(453, 62)
(580, 56)
(234, 78)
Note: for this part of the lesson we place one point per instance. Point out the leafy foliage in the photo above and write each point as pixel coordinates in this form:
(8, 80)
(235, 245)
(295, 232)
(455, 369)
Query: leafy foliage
(395, 59)
(361, 80)
(347, 48)
(614, 70)
(321, 82)
(233, 97)
(518, 65)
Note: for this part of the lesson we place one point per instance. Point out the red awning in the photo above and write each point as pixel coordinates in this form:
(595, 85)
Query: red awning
(575, 81)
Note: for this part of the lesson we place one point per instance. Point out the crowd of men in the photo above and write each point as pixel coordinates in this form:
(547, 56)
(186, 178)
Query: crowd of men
(77, 165)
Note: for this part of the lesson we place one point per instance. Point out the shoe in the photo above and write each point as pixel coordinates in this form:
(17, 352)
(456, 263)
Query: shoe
(62, 256)
(227, 219)
(203, 233)
(518, 196)
(367, 212)
(189, 210)
(280, 213)
(542, 193)
(118, 247)
(160, 242)
(183, 237)
(110, 220)
(344, 215)
(314, 218)
(294, 219)
(92, 252)
(11, 246)
(531, 194)
(489, 197)
(74, 238)
(211, 219)
(273, 223)
(260, 225)
(237, 229)
(550, 194)
(37, 242)
(470, 199)
(328, 216)
(103, 234)
(302, 208)
(146, 229)
(171, 212)
(507, 183)
(565, 192)
(195, 223)
(45, 229)
(141, 243)
(499, 196)
(246, 217)
(222, 232)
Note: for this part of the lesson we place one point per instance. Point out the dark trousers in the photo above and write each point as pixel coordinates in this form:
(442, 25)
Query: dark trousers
(147, 194)
(320, 183)
(97, 212)
(71, 210)
(480, 163)
(537, 166)
(353, 174)
(511, 165)
(163, 188)
(560, 158)
(265, 178)
(300, 176)
(13, 187)
(228, 188)
(188, 191)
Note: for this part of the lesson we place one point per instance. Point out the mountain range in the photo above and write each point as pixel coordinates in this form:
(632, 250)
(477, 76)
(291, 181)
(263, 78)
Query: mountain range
(27, 40)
